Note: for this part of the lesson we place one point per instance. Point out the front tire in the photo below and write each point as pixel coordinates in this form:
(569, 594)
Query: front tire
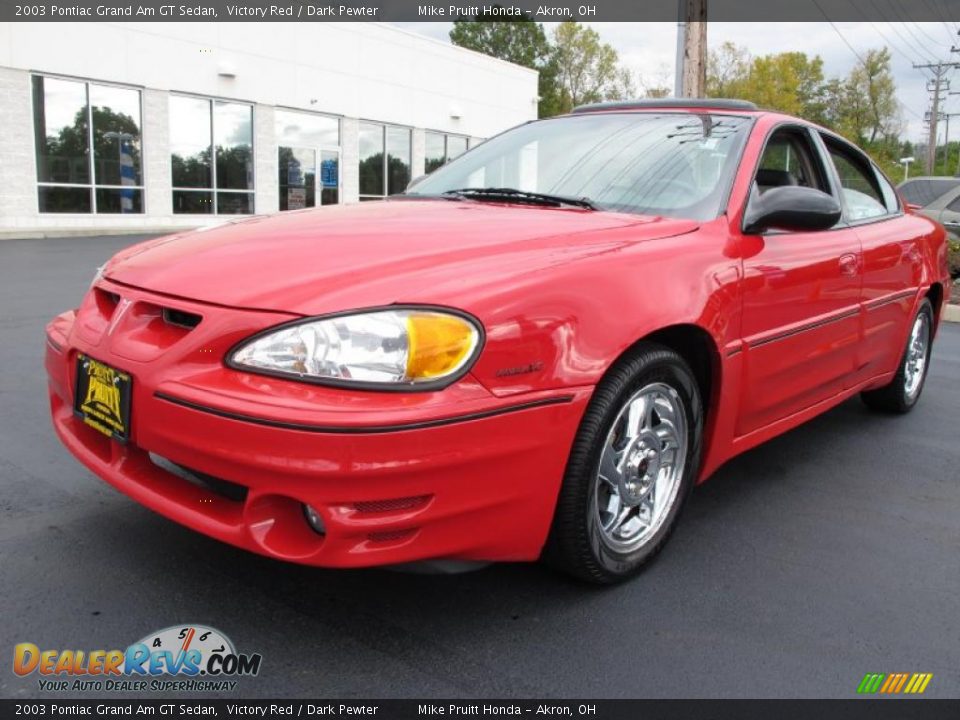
(903, 392)
(632, 466)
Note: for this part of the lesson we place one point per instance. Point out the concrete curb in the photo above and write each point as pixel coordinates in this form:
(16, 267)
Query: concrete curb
(51, 233)
(951, 313)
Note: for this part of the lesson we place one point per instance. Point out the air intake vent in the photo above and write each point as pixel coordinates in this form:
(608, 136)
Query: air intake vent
(181, 318)
(394, 505)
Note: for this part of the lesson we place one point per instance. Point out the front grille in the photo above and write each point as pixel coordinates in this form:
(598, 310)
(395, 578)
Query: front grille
(224, 488)
(181, 318)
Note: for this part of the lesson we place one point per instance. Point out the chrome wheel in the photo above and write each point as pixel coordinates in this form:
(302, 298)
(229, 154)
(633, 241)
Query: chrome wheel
(917, 351)
(641, 467)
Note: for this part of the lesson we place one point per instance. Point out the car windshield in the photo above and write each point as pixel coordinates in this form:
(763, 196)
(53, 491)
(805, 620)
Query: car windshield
(673, 164)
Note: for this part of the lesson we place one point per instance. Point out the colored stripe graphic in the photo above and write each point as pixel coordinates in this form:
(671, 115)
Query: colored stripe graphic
(870, 683)
(894, 683)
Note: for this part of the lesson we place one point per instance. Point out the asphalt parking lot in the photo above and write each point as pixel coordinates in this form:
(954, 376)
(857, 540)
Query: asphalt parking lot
(828, 553)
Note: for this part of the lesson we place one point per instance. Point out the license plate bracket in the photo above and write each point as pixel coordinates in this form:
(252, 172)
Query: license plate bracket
(102, 397)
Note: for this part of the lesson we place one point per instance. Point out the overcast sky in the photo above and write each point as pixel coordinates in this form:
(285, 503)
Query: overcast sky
(649, 49)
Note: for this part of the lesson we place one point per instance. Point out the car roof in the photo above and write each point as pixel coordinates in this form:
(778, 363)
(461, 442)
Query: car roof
(669, 103)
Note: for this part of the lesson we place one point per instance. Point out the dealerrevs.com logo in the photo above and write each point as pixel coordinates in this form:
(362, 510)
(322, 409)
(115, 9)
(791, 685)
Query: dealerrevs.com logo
(197, 657)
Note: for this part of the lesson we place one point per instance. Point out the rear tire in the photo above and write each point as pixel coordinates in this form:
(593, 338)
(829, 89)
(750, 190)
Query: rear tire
(903, 392)
(633, 464)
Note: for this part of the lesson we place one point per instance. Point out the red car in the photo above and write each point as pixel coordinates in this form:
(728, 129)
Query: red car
(539, 349)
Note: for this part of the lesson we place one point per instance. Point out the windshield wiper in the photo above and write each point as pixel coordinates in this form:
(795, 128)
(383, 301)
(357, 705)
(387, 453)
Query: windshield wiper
(524, 196)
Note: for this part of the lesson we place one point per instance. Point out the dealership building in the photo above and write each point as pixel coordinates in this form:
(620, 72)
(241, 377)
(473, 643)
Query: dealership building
(127, 127)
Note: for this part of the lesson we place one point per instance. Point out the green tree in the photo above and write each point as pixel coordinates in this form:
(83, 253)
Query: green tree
(588, 70)
(872, 81)
(522, 42)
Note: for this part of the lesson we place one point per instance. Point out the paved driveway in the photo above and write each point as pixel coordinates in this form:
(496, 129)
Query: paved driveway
(828, 553)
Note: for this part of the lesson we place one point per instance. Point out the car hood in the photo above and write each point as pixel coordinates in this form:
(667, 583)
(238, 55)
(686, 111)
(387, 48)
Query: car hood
(342, 257)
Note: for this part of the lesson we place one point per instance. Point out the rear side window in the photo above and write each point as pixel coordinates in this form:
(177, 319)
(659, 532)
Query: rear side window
(954, 205)
(859, 184)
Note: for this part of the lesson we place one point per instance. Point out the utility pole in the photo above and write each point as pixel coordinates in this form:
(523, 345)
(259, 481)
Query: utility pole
(681, 43)
(935, 86)
(692, 59)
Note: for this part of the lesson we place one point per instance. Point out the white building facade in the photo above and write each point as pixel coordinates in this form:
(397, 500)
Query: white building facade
(134, 127)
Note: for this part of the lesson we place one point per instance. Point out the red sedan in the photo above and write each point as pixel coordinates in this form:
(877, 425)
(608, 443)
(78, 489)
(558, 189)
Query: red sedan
(539, 349)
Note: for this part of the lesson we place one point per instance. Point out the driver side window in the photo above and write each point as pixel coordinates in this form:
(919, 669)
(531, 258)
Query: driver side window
(789, 160)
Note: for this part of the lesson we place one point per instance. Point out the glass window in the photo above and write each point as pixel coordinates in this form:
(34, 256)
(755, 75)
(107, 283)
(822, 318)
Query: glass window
(304, 137)
(190, 142)
(890, 199)
(384, 160)
(68, 115)
(954, 205)
(329, 177)
(211, 149)
(456, 146)
(435, 151)
(789, 159)
(297, 128)
(673, 164)
(441, 149)
(189, 202)
(858, 183)
(233, 128)
(398, 159)
(298, 178)
(371, 160)
(60, 199)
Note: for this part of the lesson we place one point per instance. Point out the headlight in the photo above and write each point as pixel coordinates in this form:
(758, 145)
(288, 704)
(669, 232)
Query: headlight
(402, 346)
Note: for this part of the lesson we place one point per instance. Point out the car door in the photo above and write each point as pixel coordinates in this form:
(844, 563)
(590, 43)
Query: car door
(801, 292)
(892, 261)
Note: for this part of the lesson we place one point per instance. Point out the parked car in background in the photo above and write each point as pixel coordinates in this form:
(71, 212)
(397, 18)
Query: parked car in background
(946, 210)
(921, 191)
(538, 349)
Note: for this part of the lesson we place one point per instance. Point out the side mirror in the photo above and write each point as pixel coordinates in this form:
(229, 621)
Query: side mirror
(791, 208)
(416, 180)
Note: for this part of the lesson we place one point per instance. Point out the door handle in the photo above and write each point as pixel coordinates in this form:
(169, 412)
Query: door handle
(848, 265)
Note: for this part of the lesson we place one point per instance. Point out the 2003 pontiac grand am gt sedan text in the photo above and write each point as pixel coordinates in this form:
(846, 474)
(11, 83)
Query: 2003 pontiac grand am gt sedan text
(537, 350)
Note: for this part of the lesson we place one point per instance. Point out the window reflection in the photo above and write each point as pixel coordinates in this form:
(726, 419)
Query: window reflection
(330, 177)
(435, 151)
(233, 124)
(371, 159)
(398, 159)
(456, 146)
(116, 135)
(298, 178)
(441, 149)
(190, 142)
(308, 158)
(62, 130)
(211, 143)
(295, 128)
(71, 178)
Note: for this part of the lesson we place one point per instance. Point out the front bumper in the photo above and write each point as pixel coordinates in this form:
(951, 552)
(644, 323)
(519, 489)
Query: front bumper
(457, 474)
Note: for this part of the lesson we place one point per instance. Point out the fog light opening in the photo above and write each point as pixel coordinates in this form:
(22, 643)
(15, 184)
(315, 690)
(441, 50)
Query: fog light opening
(314, 520)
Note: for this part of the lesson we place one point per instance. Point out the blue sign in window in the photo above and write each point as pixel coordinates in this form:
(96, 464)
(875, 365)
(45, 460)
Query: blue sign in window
(328, 173)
